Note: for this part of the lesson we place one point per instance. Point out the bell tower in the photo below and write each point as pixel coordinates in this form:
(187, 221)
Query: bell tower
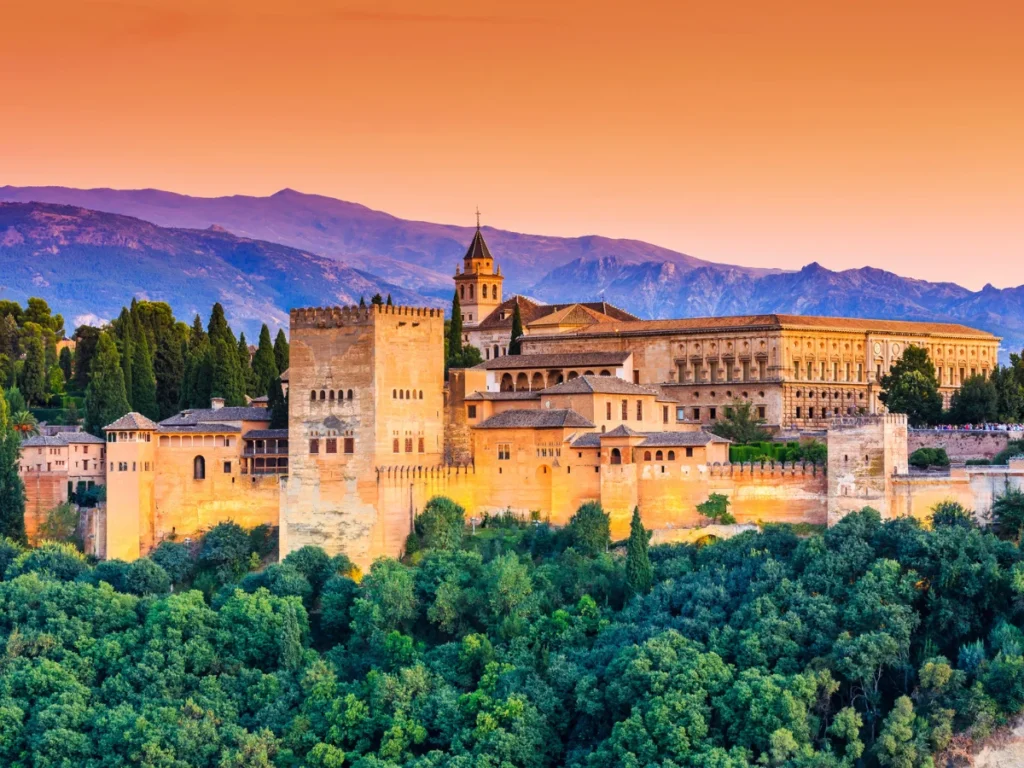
(479, 282)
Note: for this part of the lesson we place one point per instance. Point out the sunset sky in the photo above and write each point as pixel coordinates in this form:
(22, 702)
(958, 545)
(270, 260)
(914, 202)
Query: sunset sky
(888, 134)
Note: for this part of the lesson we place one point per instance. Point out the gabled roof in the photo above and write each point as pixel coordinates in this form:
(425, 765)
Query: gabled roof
(477, 247)
(60, 440)
(622, 431)
(205, 429)
(216, 416)
(558, 418)
(555, 360)
(531, 312)
(132, 421)
(681, 439)
(611, 385)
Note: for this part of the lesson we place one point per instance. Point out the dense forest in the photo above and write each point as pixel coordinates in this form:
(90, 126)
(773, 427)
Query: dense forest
(518, 644)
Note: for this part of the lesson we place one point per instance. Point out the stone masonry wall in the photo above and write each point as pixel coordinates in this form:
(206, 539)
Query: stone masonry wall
(961, 446)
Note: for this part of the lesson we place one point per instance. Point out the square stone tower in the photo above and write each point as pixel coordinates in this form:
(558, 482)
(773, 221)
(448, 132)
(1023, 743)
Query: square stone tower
(864, 453)
(365, 391)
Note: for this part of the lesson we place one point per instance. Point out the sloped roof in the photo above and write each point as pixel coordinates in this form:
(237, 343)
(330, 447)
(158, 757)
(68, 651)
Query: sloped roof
(535, 419)
(205, 428)
(132, 421)
(779, 322)
(622, 431)
(611, 385)
(652, 439)
(555, 360)
(265, 434)
(217, 415)
(531, 312)
(477, 247)
(504, 396)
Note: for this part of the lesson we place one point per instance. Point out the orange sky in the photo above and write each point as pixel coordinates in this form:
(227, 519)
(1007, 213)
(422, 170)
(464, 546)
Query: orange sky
(762, 133)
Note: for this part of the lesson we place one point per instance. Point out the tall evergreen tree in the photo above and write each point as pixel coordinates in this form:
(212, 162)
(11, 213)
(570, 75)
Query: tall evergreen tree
(143, 396)
(514, 345)
(264, 365)
(282, 351)
(362, 302)
(278, 404)
(389, 302)
(218, 327)
(105, 398)
(85, 347)
(12, 490)
(124, 328)
(454, 346)
(198, 380)
(196, 335)
(227, 381)
(377, 299)
(639, 572)
(64, 360)
(33, 383)
(245, 366)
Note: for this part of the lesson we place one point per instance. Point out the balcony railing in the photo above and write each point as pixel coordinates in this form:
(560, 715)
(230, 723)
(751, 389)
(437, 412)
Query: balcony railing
(281, 450)
(265, 471)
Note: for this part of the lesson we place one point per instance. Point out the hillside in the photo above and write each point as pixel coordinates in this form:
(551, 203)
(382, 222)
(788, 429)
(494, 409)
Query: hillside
(87, 263)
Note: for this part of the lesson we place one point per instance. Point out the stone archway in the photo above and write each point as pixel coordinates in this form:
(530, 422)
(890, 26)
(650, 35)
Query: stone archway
(522, 383)
(506, 383)
(537, 382)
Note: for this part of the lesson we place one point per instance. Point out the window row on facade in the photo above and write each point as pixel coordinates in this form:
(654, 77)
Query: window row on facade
(348, 445)
(524, 382)
(397, 444)
(330, 395)
(714, 373)
(123, 466)
(196, 441)
(406, 394)
(464, 294)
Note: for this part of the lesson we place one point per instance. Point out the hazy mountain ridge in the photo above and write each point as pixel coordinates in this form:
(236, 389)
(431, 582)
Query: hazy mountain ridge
(88, 262)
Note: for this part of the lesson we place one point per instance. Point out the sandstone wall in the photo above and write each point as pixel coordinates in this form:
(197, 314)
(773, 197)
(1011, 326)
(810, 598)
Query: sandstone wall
(43, 492)
(961, 446)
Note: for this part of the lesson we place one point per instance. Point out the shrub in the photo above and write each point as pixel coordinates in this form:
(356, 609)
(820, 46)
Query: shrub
(9, 552)
(953, 514)
(225, 551)
(56, 559)
(144, 577)
(1012, 449)
(716, 509)
(923, 458)
(176, 560)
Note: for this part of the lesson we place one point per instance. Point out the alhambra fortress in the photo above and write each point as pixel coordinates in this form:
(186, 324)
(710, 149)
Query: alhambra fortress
(599, 405)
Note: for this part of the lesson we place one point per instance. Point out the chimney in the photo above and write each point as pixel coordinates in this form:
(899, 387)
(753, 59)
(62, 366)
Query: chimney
(216, 403)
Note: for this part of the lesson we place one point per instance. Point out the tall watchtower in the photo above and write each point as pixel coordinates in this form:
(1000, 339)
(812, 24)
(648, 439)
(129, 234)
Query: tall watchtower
(479, 283)
(365, 391)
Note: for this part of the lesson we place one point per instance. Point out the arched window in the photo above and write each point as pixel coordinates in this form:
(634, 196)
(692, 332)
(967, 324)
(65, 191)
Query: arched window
(506, 383)
(407, 395)
(394, 394)
(462, 291)
(401, 394)
(199, 468)
(606, 372)
(330, 396)
(573, 375)
(671, 455)
(312, 395)
(659, 456)
(323, 395)
(616, 457)
(522, 383)
(470, 293)
(421, 394)
(647, 455)
(537, 383)
(494, 291)
(349, 395)
(496, 350)
(588, 373)
(483, 291)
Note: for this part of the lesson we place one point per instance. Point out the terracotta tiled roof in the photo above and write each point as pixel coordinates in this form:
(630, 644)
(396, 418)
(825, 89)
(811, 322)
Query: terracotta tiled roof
(532, 312)
(622, 431)
(535, 419)
(780, 322)
(504, 396)
(205, 428)
(610, 385)
(217, 415)
(266, 434)
(131, 421)
(61, 439)
(555, 360)
(673, 439)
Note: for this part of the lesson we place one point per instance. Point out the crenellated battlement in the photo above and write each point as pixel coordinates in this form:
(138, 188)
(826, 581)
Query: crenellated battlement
(339, 317)
(756, 470)
(434, 472)
(854, 422)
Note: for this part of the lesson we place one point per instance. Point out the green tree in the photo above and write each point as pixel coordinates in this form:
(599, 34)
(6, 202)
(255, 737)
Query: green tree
(741, 425)
(441, 524)
(454, 341)
(33, 382)
(65, 363)
(952, 514)
(1008, 513)
(898, 745)
(55, 383)
(976, 402)
(61, 523)
(245, 366)
(377, 299)
(12, 490)
(144, 394)
(639, 572)
(124, 328)
(227, 380)
(590, 529)
(1009, 394)
(281, 351)
(716, 509)
(515, 343)
(278, 404)
(389, 302)
(105, 397)
(911, 387)
(86, 338)
(264, 364)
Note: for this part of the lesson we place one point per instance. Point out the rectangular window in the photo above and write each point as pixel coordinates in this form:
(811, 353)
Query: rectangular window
(728, 370)
(810, 413)
(760, 411)
(639, 410)
(681, 372)
(762, 370)
(961, 375)
(796, 371)
(810, 370)
(395, 446)
(472, 411)
(636, 376)
(608, 410)
(314, 445)
(689, 453)
(408, 445)
(227, 467)
(664, 414)
(696, 414)
(714, 372)
(504, 451)
(878, 372)
(847, 372)
(746, 370)
(860, 372)
(421, 445)
(823, 370)
(350, 445)
(835, 371)
(625, 410)
(798, 412)
(332, 445)
(712, 414)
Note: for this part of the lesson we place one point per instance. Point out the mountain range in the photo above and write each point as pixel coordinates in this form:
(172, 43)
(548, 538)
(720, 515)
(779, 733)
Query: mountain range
(261, 255)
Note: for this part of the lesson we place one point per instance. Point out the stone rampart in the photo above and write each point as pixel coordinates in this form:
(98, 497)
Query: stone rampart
(961, 446)
(43, 492)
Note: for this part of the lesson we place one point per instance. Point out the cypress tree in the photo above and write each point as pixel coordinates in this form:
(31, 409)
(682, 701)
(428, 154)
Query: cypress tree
(143, 379)
(281, 351)
(196, 335)
(389, 302)
(517, 331)
(65, 363)
(169, 367)
(639, 572)
(33, 374)
(196, 390)
(12, 490)
(218, 327)
(377, 299)
(105, 397)
(85, 347)
(278, 404)
(123, 326)
(455, 334)
(226, 380)
(264, 365)
(362, 302)
(245, 367)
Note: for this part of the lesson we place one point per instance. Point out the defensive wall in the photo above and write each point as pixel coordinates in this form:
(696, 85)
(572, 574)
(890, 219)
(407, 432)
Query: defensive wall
(962, 445)
(43, 492)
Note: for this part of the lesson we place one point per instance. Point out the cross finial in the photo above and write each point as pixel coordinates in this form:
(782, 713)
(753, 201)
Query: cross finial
(478, 218)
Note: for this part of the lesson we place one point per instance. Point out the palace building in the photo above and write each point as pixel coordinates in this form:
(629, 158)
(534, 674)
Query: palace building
(600, 406)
